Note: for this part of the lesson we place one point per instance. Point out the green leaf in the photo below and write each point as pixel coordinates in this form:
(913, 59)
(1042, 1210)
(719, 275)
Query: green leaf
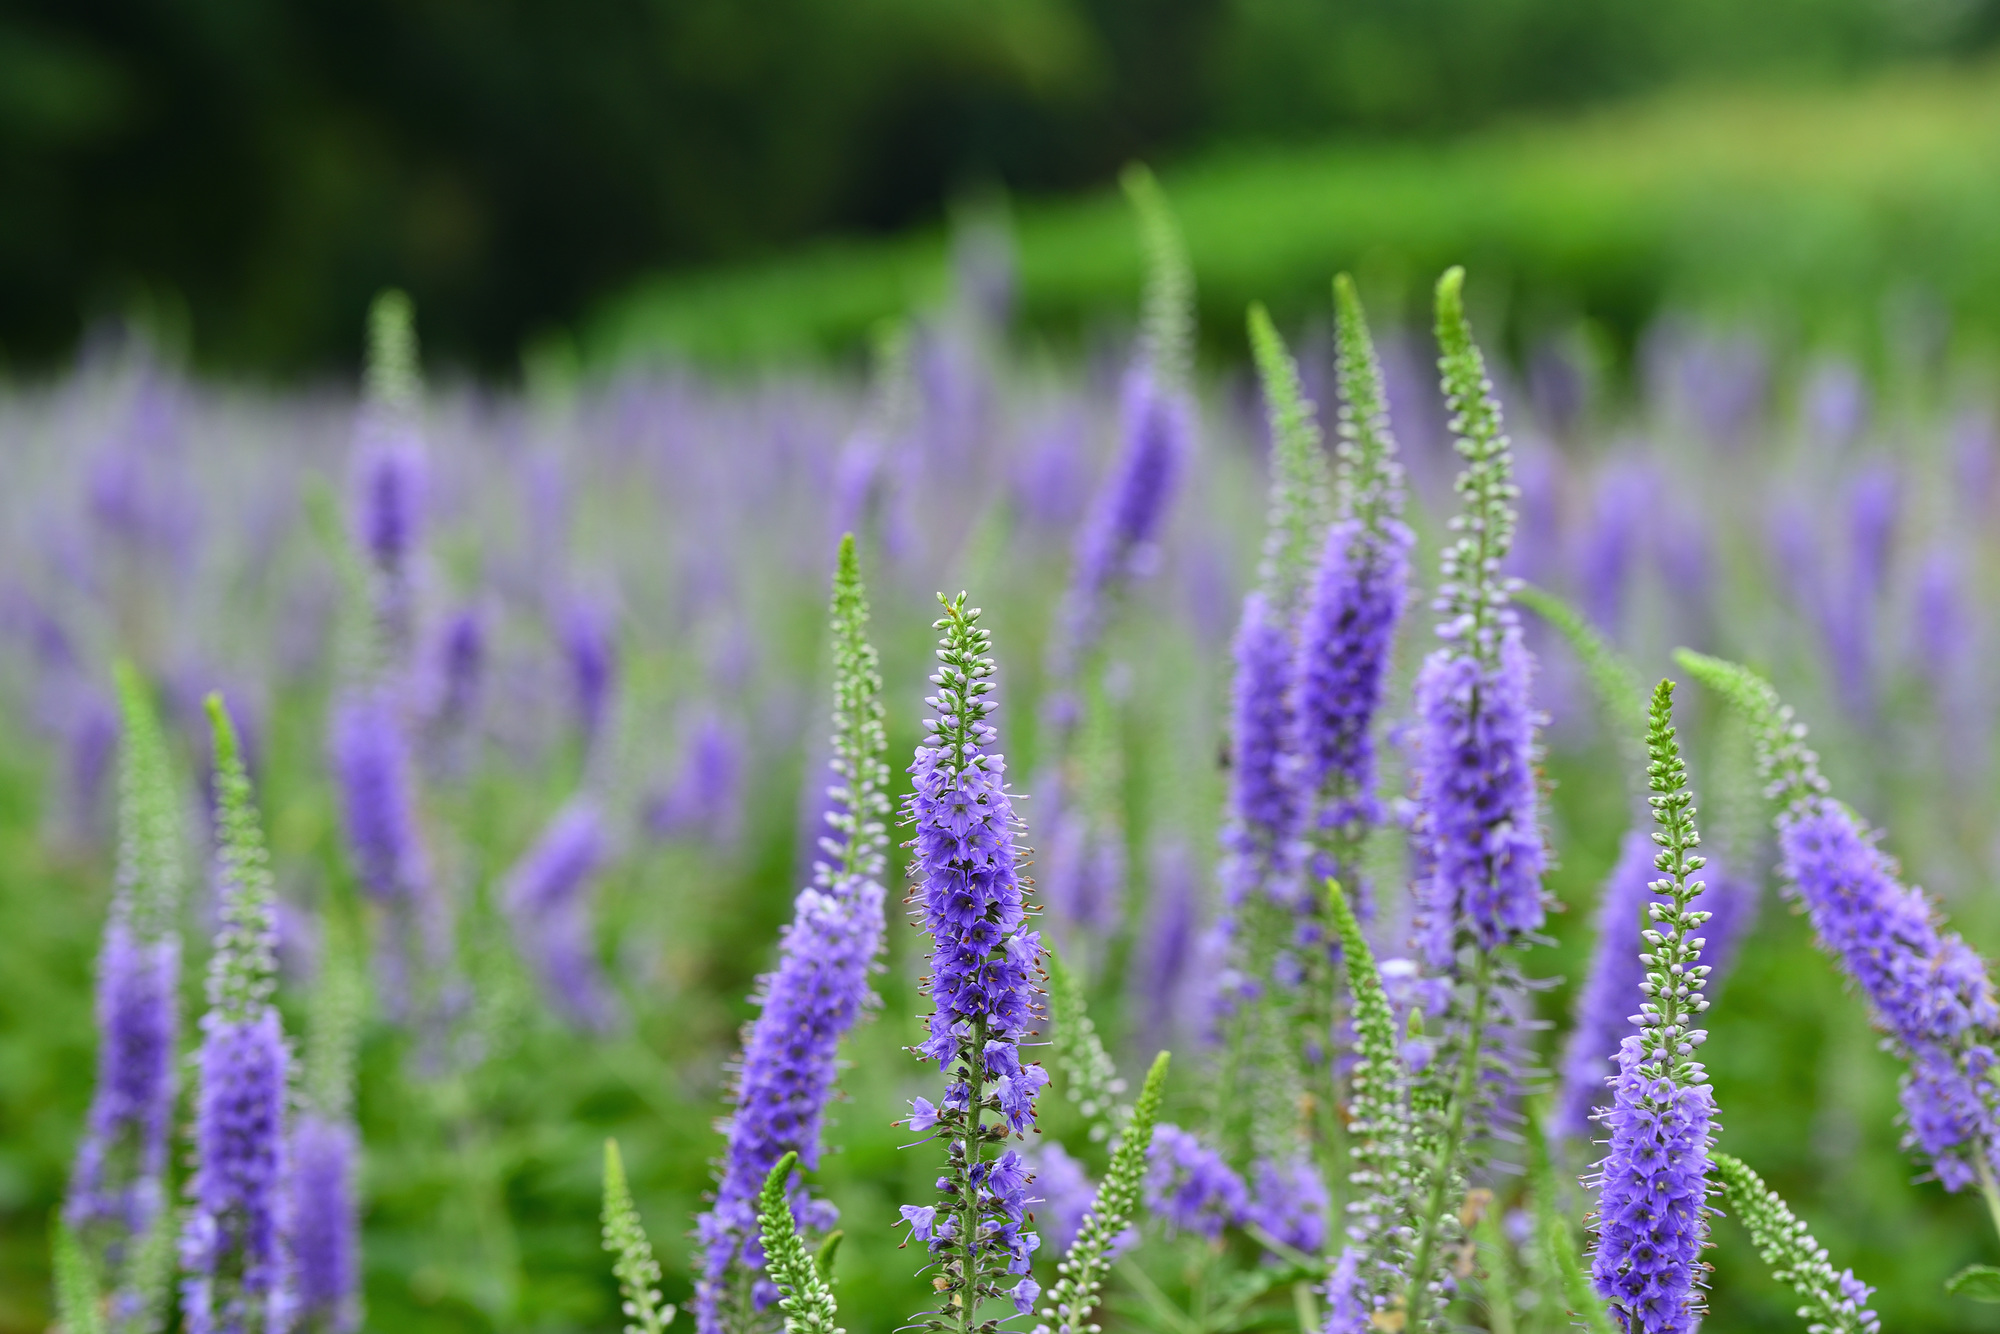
(1975, 1283)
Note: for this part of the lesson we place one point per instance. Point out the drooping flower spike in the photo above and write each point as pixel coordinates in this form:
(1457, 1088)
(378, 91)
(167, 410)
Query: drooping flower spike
(1925, 987)
(820, 987)
(968, 896)
(1653, 1180)
(234, 1263)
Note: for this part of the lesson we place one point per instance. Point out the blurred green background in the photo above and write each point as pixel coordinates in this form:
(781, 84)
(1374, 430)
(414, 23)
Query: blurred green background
(240, 175)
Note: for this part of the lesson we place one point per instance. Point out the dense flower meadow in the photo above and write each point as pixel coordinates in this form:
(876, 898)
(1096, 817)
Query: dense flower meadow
(1351, 880)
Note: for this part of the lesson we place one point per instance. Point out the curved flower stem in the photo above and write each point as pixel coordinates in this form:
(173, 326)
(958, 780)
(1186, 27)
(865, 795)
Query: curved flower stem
(1417, 1294)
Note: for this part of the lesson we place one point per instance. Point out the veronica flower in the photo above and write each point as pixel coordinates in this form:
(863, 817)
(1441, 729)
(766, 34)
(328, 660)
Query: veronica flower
(704, 796)
(1356, 599)
(117, 1186)
(1475, 754)
(1928, 990)
(547, 896)
(234, 1264)
(1168, 947)
(1066, 1190)
(1652, 1182)
(592, 658)
(373, 772)
(981, 983)
(1119, 540)
(1477, 845)
(820, 986)
(1288, 1200)
(1190, 1188)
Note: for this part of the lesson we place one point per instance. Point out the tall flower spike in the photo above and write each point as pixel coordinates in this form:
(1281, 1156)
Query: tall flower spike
(233, 1258)
(1830, 1303)
(117, 1190)
(1653, 1180)
(983, 962)
(806, 1301)
(1082, 1271)
(1356, 599)
(548, 898)
(820, 987)
(1924, 985)
(1478, 847)
(638, 1273)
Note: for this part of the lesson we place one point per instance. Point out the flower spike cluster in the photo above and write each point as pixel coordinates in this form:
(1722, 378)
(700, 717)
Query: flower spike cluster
(1925, 987)
(820, 987)
(233, 1257)
(1653, 1180)
(983, 964)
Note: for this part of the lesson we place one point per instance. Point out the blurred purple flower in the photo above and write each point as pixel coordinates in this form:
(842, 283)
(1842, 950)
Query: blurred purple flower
(120, 1171)
(1189, 1187)
(547, 896)
(325, 1224)
(1067, 1194)
(1289, 1201)
(590, 652)
(371, 766)
(704, 798)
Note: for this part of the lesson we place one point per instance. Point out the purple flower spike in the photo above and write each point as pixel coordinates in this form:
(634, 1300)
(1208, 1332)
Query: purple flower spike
(1344, 644)
(1924, 986)
(325, 1226)
(1653, 1197)
(983, 964)
(1476, 795)
(1261, 840)
(820, 987)
(1119, 540)
(1652, 1214)
(548, 898)
(591, 652)
(137, 986)
(1289, 1201)
(389, 491)
(1189, 1187)
(371, 763)
(233, 1260)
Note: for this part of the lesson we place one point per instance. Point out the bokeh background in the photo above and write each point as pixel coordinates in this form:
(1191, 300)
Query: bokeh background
(243, 176)
(1737, 267)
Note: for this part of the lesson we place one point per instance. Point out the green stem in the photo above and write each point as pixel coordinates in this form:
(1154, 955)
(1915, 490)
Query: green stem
(1417, 1296)
(1987, 1185)
(968, 1234)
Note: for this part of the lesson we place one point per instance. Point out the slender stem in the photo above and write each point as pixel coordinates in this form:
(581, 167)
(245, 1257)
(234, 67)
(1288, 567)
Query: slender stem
(1987, 1185)
(1417, 1295)
(968, 1238)
(1306, 1307)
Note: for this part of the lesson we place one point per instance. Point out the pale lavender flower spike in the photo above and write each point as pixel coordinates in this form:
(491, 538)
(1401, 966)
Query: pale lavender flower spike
(547, 896)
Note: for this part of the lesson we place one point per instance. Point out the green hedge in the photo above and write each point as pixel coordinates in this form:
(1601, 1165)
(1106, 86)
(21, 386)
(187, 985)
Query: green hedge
(1814, 203)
